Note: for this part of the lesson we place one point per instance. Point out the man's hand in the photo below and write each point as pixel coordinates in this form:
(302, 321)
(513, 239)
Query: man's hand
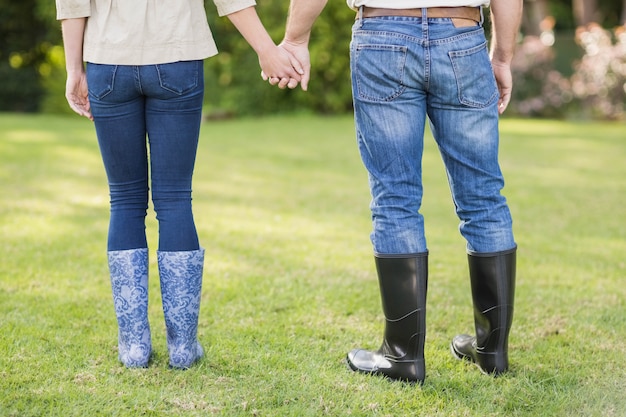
(506, 16)
(504, 79)
(301, 53)
(281, 68)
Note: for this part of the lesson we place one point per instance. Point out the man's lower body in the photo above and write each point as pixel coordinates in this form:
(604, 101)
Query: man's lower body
(162, 103)
(403, 69)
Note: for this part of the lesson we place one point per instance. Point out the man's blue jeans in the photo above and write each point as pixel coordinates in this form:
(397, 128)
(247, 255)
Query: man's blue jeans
(404, 69)
(162, 103)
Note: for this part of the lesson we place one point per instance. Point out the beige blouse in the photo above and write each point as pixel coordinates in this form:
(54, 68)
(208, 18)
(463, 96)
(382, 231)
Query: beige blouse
(143, 32)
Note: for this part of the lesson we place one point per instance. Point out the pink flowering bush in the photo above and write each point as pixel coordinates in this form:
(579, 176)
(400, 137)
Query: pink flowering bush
(596, 89)
(539, 89)
(599, 82)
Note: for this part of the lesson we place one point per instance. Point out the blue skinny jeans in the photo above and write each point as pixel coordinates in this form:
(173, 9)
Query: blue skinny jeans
(147, 120)
(405, 69)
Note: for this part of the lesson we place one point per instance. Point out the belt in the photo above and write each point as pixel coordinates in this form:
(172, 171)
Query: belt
(469, 13)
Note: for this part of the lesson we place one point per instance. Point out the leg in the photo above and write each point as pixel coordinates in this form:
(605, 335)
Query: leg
(464, 121)
(173, 115)
(390, 119)
(119, 120)
(390, 112)
(486, 224)
(462, 108)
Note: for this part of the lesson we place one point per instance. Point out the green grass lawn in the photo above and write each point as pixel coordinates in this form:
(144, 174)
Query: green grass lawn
(281, 207)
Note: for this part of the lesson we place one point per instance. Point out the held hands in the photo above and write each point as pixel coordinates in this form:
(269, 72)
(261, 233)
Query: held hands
(77, 95)
(298, 72)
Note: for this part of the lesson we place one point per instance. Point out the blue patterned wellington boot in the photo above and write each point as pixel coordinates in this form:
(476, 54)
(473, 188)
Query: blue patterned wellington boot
(129, 281)
(181, 285)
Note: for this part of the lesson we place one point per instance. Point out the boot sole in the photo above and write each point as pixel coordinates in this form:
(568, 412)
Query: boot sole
(466, 358)
(378, 373)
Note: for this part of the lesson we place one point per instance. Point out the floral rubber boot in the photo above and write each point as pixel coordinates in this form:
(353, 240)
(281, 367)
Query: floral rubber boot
(129, 282)
(181, 284)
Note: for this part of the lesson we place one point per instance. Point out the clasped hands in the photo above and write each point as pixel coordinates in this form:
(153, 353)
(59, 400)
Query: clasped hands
(287, 65)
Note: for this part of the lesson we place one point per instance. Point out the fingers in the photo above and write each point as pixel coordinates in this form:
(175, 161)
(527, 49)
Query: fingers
(503, 103)
(285, 82)
(505, 98)
(281, 82)
(304, 82)
(296, 65)
(80, 106)
(292, 84)
(303, 71)
(82, 112)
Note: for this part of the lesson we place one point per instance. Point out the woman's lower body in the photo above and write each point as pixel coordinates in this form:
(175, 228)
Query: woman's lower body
(147, 120)
(404, 70)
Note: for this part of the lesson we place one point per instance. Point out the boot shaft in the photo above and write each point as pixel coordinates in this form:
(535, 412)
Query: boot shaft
(181, 286)
(403, 282)
(492, 278)
(129, 284)
(403, 287)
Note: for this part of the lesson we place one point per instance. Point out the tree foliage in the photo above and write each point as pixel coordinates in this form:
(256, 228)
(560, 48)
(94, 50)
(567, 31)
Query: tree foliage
(25, 38)
(608, 12)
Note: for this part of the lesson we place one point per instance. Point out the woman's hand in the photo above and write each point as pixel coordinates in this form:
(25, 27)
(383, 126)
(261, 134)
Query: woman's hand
(77, 94)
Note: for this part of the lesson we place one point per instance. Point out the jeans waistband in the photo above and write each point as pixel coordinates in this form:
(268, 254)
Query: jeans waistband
(469, 13)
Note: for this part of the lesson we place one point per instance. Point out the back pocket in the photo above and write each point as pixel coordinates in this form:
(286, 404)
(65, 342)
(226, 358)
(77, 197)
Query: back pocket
(179, 77)
(378, 71)
(474, 77)
(100, 79)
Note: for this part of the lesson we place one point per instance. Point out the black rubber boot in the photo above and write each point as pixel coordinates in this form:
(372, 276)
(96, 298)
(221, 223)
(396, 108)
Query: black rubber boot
(492, 279)
(403, 283)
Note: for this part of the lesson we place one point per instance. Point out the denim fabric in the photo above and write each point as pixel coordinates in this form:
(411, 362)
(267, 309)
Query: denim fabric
(163, 103)
(405, 69)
